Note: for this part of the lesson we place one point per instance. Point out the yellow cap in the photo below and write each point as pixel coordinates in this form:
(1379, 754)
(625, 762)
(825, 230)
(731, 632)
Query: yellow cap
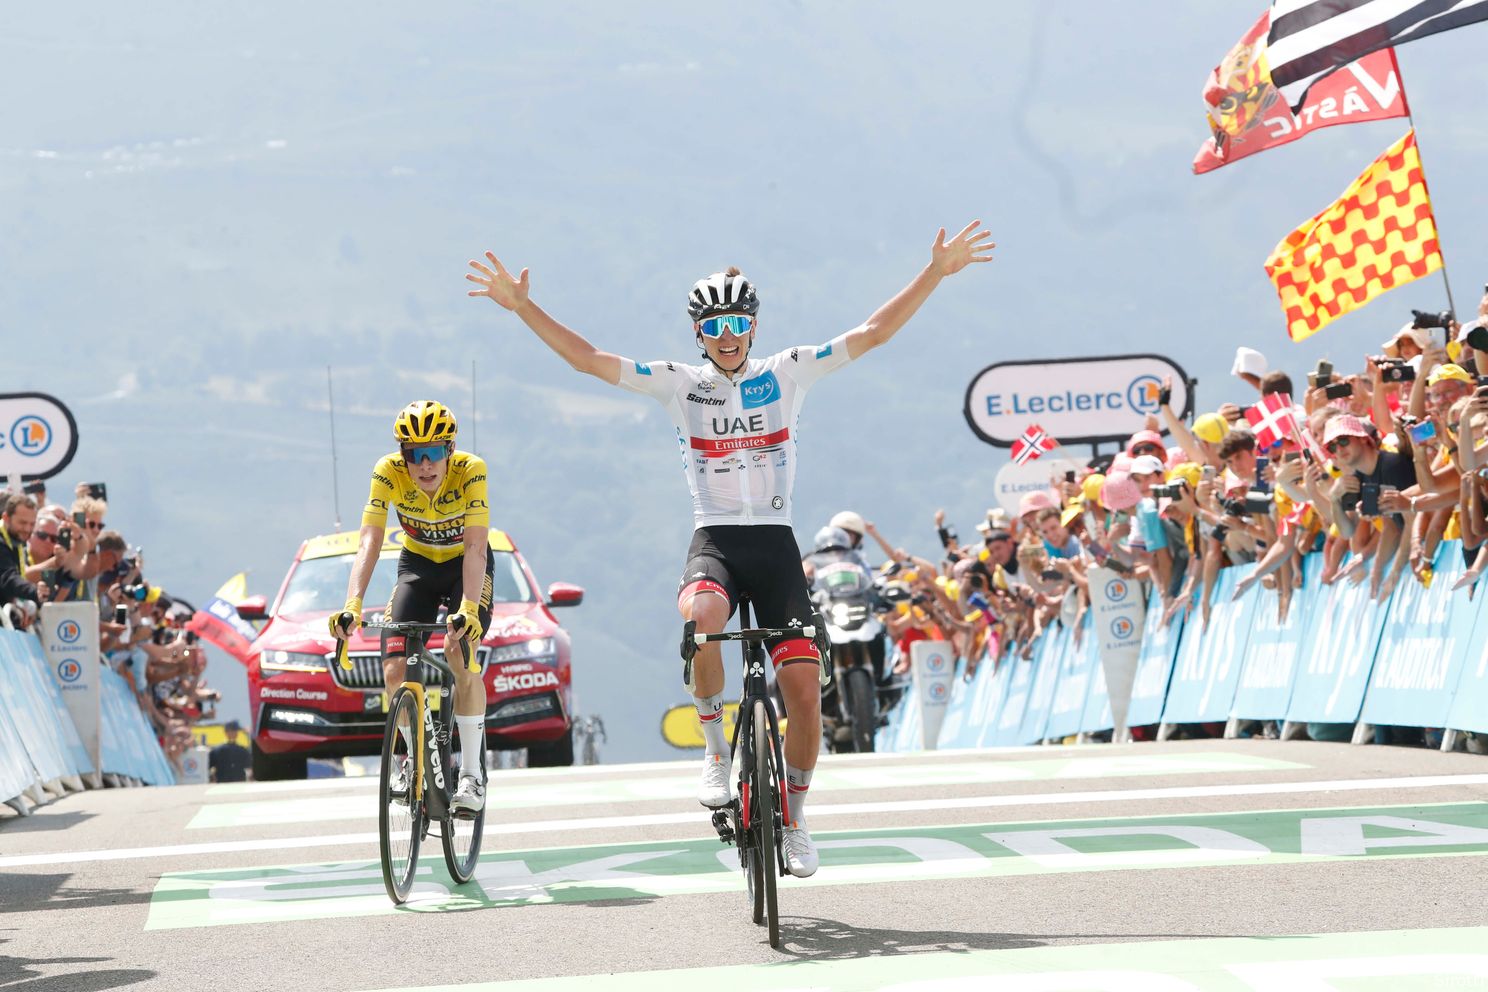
(1070, 513)
(1189, 472)
(1211, 427)
(1090, 489)
(1448, 373)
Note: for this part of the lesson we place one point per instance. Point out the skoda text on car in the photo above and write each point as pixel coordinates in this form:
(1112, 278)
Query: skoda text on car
(305, 705)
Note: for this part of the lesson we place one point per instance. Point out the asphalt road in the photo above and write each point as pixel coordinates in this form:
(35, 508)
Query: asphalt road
(1186, 865)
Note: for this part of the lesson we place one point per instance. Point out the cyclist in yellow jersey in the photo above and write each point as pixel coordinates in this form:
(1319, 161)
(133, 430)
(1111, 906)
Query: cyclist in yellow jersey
(440, 497)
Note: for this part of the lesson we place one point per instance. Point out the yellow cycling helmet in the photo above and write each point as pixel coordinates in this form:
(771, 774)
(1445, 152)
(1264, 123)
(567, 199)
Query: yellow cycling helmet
(424, 422)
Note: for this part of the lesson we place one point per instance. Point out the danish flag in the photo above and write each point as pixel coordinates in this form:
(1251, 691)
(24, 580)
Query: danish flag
(1032, 444)
(1272, 419)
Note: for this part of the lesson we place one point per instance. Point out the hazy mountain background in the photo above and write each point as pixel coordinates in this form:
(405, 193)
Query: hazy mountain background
(202, 208)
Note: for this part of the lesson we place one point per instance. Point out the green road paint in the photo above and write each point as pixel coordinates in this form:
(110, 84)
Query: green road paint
(683, 785)
(1393, 960)
(654, 870)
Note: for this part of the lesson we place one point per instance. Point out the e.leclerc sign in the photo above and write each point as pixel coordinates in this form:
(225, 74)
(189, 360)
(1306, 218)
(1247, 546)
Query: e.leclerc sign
(38, 436)
(1078, 400)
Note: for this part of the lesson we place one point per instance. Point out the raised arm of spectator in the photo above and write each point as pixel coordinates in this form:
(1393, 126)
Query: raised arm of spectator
(970, 245)
(515, 295)
(894, 554)
(1379, 403)
(1178, 429)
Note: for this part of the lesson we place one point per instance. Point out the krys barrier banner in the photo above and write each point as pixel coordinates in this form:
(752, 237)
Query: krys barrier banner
(1275, 646)
(1154, 664)
(1342, 640)
(1066, 396)
(38, 436)
(1072, 687)
(1207, 667)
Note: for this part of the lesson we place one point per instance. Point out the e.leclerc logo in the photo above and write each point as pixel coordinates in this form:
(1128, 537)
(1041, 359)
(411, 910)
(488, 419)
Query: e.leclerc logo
(30, 435)
(762, 390)
(938, 692)
(1121, 628)
(935, 662)
(68, 670)
(68, 631)
(1116, 589)
(1142, 394)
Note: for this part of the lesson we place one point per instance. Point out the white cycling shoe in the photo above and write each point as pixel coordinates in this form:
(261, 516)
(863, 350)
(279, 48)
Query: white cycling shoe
(714, 790)
(470, 794)
(800, 851)
(398, 783)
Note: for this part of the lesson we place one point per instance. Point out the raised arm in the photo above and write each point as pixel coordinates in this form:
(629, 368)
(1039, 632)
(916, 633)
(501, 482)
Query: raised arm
(946, 258)
(514, 295)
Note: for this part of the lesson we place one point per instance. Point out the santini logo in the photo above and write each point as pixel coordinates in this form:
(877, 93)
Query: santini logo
(705, 400)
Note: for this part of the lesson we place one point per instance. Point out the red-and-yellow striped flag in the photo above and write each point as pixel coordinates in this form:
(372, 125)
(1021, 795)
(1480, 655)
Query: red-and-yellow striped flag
(1380, 234)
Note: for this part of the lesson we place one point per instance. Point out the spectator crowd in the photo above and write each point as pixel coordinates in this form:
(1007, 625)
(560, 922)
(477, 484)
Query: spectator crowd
(1373, 467)
(52, 554)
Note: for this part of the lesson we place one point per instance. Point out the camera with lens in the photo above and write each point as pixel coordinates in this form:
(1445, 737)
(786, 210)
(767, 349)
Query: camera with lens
(137, 592)
(1339, 390)
(1477, 335)
(1394, 369)
(1322, 375)
(1171, 490)
(919, 599)
(1423, 319)
(1251, 503)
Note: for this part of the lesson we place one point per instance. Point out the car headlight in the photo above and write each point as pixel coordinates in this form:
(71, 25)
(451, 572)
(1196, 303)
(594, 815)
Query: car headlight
(540, 649)
(290, 661)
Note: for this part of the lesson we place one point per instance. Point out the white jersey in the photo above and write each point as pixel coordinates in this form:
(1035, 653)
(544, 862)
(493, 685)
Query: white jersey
(738, 438)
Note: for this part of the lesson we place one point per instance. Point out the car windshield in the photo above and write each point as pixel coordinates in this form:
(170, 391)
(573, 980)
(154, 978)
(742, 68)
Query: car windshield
(318, 585)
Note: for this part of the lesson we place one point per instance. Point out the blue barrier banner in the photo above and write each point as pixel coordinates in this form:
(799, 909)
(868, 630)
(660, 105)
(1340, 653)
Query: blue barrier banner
(1342, 639)
(957, 711)
(16, 773)
(1207, 666)
(1469, 709)
(1045, 677)
(1422, 648)
(75, 753)
(127, 742)
(1076, 669)
(987, 689)
(1002, 681)
(1271, 656)
(971, 703)
(1155, 666)
(1015, 695)
(1097, 715)
(31, 709)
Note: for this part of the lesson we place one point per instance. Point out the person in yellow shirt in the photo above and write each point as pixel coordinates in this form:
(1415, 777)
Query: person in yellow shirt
(440, 497)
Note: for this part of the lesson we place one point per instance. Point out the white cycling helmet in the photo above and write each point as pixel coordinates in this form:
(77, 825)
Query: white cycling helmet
(831, 538)
(850, 522)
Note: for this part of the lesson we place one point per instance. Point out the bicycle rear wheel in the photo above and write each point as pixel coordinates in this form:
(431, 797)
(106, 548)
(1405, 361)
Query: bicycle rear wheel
(766, 801)
(461, 839)
(400, 824)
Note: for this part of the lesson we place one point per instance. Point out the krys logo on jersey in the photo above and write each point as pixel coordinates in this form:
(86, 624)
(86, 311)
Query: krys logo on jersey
(1076, 400)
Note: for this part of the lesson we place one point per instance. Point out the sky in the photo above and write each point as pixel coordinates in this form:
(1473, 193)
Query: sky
(206, 210)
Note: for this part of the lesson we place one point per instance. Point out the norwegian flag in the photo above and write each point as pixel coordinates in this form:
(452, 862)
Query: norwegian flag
(1272, 420)
(1032, 444)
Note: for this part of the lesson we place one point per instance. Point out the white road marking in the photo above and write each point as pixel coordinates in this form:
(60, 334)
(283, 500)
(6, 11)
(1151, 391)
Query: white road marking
(817, 811)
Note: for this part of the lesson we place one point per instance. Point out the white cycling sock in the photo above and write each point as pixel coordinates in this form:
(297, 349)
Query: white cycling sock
(710, 718)
(408, 742)
(472, 734)
(796, 784)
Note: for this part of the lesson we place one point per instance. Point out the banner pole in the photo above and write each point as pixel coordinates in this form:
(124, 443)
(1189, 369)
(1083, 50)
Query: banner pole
(1427, 187)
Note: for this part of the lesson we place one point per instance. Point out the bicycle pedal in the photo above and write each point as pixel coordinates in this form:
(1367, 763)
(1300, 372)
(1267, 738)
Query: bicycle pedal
(723, 826)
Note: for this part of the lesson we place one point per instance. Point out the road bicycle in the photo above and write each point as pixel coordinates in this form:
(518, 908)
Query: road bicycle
(419, 739)
(753, 820)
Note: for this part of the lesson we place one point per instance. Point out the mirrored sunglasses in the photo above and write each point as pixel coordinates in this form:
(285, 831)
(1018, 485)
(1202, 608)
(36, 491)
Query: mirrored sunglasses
(1338, 443)
(414, 454)
(735, 323)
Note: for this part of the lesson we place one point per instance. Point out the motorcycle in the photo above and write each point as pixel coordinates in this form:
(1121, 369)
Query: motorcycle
(847, 599)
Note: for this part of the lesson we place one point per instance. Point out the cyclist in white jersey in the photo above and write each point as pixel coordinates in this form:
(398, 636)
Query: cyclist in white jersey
(736, 428)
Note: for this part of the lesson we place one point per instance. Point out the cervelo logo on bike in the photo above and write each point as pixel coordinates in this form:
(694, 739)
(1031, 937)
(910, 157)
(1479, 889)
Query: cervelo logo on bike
(69, 631)
(435, 765)
(762, 390)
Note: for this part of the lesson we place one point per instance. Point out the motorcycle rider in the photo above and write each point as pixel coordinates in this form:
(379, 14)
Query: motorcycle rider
(846, 597)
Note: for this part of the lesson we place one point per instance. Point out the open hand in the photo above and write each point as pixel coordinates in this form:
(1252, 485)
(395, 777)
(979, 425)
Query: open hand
(948, 257)
(499, 284)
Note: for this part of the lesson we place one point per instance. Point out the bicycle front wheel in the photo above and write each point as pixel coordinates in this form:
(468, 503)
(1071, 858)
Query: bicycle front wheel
(767, 800)
(400, 817)
(461, 838)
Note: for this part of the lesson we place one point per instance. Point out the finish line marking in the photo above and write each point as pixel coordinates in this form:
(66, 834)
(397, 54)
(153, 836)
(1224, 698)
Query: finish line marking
(842, 809)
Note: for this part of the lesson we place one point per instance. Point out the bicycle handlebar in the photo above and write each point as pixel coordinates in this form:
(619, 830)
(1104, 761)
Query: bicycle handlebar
(756, 636)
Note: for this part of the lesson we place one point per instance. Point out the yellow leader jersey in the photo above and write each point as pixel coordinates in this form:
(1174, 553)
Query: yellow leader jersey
(434, 528)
